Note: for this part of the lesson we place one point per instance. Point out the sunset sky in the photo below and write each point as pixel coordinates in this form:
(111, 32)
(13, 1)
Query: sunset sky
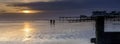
(58, 7)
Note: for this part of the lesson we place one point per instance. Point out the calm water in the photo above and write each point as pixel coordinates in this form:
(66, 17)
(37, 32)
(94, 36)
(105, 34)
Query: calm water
(41, 32)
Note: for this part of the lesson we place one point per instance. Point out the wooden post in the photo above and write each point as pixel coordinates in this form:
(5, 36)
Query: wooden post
(99, 29)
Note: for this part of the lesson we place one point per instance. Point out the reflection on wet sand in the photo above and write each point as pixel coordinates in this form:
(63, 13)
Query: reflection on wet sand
(27, 31)
(41, 32)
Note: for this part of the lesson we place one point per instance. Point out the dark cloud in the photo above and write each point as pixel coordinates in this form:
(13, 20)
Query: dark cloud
(71, 4)
(52, 5)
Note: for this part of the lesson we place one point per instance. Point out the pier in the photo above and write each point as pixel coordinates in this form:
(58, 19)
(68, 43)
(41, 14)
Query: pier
(99, 17)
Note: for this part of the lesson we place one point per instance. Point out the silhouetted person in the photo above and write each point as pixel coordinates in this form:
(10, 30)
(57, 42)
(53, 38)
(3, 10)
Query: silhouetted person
(52, 22)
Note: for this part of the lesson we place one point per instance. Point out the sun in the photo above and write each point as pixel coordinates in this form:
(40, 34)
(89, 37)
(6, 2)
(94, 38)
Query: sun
(27, 11)
(30, 11)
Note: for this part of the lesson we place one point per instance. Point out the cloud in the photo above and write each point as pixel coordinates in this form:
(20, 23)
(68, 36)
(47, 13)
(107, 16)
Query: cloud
(28, 1)
(60, 8)
(5, 8)
(67, 6)
(70, 4)
(51, 5)
(70, 7)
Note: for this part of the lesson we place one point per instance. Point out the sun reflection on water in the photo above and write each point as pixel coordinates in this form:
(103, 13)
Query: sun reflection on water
(27, 31)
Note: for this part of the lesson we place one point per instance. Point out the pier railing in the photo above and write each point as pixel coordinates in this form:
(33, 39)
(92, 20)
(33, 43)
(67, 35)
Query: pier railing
(106, 15)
